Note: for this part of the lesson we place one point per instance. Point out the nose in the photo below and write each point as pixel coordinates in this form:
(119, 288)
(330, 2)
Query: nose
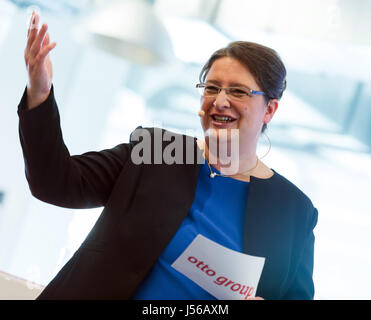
(221, 100)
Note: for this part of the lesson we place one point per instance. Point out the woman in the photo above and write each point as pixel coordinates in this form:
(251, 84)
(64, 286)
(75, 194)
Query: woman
(152, 212)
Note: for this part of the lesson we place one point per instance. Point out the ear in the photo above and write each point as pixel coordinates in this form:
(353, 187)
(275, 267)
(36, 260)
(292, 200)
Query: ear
(270, 110)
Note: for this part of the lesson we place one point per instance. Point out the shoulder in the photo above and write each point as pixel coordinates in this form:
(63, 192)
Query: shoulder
(166, 147)
(308, 210)
(286, 188)
(159, 138)
(289, 197)
(155, 132)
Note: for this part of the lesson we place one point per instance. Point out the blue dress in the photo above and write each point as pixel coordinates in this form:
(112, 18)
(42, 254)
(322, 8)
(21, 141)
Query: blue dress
(217, 212)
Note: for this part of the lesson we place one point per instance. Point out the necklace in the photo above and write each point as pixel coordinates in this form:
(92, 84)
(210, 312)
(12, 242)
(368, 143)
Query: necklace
(213, 174)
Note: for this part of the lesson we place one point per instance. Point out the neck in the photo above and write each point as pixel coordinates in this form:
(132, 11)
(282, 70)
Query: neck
(240, 162)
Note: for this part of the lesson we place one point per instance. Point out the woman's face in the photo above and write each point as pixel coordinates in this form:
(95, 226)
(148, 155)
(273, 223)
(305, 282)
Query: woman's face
(249, 116)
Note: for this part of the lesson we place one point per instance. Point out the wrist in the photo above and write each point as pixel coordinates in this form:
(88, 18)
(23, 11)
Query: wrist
(34, 100)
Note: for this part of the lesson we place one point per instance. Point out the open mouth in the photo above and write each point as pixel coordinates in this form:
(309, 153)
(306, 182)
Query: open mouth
(222, 119)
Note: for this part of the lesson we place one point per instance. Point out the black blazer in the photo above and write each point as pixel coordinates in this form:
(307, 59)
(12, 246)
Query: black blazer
(144, 206)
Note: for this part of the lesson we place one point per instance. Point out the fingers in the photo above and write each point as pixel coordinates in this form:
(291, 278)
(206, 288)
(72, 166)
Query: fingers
(31, 35)
(36, 45)
(46, 40)
(45, 51)
(32, 30)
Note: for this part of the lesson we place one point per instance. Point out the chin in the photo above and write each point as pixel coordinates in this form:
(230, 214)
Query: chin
(229, 137)
(224, 145)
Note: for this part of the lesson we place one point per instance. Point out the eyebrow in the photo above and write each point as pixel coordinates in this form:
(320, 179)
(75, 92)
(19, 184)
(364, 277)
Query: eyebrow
(232, 84)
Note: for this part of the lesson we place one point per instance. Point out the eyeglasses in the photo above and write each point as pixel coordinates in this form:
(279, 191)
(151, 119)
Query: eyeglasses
(234, 93)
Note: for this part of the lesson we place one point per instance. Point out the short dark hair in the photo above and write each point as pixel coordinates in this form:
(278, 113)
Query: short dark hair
(262, 62)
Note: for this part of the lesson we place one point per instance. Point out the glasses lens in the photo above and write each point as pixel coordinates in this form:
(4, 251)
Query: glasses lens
(211, 91)
(238, 93)
(208, 90)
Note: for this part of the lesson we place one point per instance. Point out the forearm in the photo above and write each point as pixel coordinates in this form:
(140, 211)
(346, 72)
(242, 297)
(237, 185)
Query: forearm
(47, 160)
(79, 181)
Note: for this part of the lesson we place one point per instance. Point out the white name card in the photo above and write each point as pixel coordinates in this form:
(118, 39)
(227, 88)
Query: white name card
(224, 273)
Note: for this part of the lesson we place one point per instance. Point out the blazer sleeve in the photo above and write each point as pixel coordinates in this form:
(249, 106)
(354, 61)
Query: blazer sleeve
(302, 287)
(53, 175)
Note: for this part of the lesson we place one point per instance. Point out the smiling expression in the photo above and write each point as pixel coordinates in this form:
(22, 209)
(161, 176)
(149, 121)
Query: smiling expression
(247, 116)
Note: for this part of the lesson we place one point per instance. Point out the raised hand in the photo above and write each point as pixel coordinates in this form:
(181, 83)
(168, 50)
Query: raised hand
(38, 63)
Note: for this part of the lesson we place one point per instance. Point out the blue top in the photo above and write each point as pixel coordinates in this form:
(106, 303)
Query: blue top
(217, 212)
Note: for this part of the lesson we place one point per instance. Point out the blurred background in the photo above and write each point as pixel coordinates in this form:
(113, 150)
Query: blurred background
(120, 64)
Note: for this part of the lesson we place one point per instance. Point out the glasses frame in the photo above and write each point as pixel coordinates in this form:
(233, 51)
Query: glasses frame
(249, 92)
